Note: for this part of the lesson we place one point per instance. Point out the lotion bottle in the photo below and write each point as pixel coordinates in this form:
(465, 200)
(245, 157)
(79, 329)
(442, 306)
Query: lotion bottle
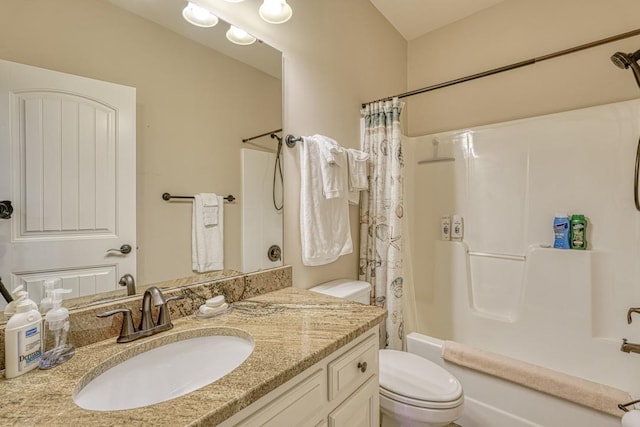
(22, 340)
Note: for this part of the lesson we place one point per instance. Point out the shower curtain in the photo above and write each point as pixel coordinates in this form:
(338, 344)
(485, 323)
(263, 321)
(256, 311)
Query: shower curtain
(381, 213)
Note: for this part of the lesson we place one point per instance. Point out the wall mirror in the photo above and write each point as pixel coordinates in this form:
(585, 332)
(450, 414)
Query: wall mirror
(197, 97)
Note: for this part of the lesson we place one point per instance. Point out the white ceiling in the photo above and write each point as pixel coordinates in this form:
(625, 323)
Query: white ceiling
(413, 18)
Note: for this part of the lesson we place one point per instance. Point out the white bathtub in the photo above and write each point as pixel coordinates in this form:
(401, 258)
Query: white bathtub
(493, 402)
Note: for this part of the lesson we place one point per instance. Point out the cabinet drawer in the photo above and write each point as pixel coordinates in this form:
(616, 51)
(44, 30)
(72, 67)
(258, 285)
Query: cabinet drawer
(349, 371)
(295, 407)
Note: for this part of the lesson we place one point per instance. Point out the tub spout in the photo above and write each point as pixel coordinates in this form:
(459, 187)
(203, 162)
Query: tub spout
(629, 347)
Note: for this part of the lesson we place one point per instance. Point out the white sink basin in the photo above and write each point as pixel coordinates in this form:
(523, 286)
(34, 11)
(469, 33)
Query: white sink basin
(165, 372)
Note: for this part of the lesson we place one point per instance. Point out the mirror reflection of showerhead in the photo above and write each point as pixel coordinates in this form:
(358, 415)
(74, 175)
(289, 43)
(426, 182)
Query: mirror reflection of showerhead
(628, 60)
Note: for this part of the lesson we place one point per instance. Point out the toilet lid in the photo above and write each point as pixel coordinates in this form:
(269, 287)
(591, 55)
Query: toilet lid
(411, 378)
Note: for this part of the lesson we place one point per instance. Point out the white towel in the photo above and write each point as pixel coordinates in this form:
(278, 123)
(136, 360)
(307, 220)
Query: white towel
(333, 167)
(358, 181)
(207, 241)
(209, 208)
(324, 223)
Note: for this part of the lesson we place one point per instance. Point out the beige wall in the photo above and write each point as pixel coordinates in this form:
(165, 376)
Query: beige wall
(513, 31)
(194, 106)
(337, 55)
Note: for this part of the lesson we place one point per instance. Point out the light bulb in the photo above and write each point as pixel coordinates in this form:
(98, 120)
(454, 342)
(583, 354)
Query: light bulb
(199, 16)
(239, 36)
(275, 11)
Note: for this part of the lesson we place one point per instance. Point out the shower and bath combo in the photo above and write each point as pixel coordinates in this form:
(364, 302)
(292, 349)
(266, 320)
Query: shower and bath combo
(628, 60)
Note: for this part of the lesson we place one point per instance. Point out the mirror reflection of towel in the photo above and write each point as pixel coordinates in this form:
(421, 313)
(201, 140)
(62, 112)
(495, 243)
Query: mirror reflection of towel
(207, 233)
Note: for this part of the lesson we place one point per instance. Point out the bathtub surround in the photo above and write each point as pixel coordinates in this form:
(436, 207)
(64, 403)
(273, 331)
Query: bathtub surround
(286, 343)
(512, 293)
(87, 328)
(381, 214)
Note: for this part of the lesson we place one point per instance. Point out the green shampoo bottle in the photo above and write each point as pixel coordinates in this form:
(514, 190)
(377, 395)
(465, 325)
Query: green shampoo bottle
(578, 239)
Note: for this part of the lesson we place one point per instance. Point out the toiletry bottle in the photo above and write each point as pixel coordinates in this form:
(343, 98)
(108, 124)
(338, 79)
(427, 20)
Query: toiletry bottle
(457, 228)
(18, 295)
(445, 227)
(46, 303)
(561, 231)
(22, 341)
(55, 348)
(578, 232)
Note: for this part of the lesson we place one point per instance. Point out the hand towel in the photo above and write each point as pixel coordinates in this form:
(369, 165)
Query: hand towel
(209, 208)
(333, 167)
(324, 223)
(207, 241)
(357, 167)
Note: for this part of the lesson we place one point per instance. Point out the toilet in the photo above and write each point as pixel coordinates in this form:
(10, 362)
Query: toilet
(414, 392)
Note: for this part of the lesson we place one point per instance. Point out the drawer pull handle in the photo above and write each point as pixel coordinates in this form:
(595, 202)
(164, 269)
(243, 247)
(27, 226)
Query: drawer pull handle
(362, 366)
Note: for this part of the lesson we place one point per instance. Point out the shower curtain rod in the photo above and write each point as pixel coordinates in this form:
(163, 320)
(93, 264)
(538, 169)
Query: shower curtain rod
(512, 66)
(261, 135)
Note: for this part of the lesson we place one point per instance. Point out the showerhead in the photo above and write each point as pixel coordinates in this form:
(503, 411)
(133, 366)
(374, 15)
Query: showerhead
(628, 60)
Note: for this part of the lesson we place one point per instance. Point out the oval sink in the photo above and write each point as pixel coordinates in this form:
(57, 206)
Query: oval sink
(167, 371)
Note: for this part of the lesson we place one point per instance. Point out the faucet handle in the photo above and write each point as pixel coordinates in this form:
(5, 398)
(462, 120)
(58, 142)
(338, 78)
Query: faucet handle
(164, 315)
(632, 310)
(127, 329)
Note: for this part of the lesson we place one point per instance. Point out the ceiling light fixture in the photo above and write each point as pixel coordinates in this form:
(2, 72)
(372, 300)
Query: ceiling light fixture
(199, 16)
(239, 36)
(275, 11)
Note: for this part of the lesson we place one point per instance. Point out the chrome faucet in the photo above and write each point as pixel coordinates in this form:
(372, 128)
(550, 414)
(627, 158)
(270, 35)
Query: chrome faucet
(629, 347)
(147, 326)
(127, 280)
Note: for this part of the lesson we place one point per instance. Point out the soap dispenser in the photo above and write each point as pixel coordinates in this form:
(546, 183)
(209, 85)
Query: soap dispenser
(46, 303)
(56, 349)
(22, 340)
(19, 295)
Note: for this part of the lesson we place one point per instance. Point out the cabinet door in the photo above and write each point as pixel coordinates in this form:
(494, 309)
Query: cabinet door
(361, 409)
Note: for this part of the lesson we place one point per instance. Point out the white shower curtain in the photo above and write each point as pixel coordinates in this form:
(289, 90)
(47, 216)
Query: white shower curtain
(381, 213)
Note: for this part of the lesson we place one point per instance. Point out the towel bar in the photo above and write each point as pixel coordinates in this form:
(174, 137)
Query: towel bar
(167, 196)
(291, 140)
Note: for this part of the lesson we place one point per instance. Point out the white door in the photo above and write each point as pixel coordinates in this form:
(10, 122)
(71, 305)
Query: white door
(67, 164)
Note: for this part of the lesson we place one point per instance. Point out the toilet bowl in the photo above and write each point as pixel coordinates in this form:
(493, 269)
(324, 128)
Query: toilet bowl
(414, 392)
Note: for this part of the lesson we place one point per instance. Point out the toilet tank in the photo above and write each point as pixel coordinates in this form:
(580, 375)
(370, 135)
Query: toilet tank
(354, 290)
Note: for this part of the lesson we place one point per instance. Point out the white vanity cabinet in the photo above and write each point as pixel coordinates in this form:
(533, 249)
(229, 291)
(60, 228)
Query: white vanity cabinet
(339, 391)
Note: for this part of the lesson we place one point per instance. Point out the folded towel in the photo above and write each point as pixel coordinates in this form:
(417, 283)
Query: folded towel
(357, 161)
(324, 222)
(207, 241)
(333, 167)
(209, 208)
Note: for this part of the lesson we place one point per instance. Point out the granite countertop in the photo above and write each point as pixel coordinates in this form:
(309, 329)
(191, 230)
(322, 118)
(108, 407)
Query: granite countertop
(292, 329)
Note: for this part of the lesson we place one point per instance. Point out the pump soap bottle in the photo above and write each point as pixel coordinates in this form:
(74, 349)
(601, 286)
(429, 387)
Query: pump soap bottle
(56, 350)
(22, 340)
(19, 294)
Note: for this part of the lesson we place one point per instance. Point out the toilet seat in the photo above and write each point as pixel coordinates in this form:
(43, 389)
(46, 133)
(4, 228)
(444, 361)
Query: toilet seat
(412, 380)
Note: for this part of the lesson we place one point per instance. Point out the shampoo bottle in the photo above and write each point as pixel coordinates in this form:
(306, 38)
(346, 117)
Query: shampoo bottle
(561, 231)
(22, 341)
(445, 227)
(578, 232)
(55, 348)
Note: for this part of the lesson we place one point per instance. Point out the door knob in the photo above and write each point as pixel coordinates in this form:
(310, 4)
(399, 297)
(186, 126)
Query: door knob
(124, 249)
(5, 209)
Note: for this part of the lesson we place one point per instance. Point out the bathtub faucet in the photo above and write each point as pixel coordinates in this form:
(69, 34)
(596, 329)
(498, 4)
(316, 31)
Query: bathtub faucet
(628, 347)
(632, 310)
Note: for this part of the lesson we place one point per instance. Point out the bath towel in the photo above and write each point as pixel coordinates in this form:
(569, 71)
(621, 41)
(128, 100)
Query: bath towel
(578, 390)
(324, 223)
(357, 171)
(207, 233)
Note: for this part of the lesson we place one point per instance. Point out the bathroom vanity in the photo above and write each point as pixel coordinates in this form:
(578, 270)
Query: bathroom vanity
(314, 363)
